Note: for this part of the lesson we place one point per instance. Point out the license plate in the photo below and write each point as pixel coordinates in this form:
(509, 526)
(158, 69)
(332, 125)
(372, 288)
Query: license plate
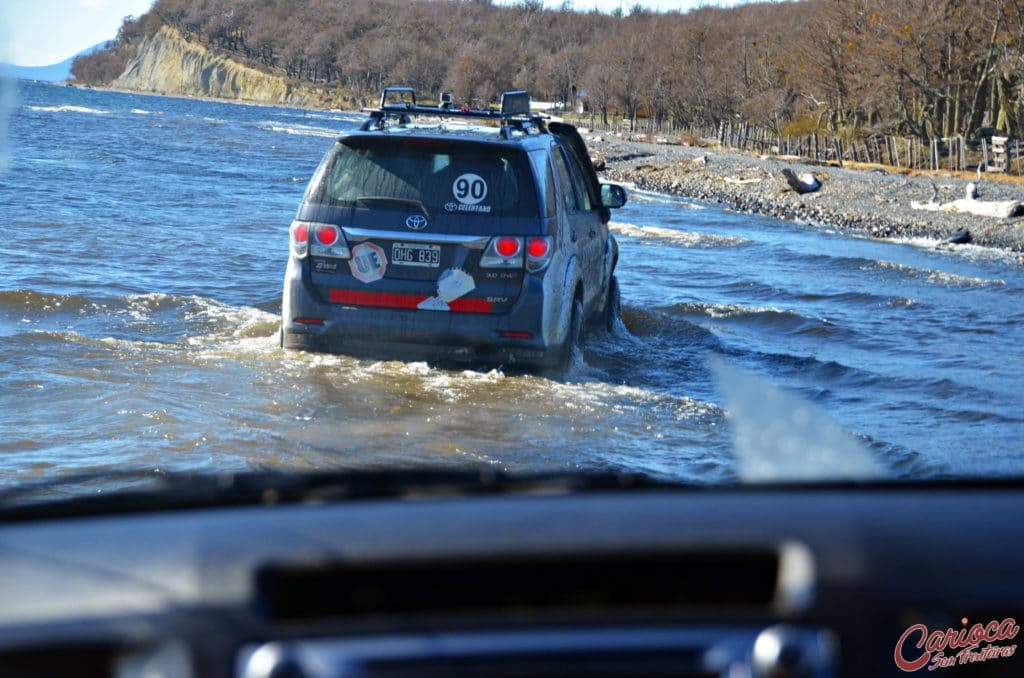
(415, 254)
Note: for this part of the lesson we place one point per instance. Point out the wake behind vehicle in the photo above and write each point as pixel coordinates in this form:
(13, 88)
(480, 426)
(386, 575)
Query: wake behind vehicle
(452, 242)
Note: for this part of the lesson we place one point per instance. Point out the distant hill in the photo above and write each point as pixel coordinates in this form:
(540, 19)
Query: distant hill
(52, 73)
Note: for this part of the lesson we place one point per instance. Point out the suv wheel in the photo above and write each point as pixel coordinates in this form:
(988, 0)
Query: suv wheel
(612, 305)
(573, 339)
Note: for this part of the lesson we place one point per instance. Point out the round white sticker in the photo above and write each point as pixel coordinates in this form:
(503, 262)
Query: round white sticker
(469, 189)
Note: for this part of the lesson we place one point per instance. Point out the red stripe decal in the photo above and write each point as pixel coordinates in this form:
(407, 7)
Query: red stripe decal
(376, 299)
(471, 306)
(405, 301)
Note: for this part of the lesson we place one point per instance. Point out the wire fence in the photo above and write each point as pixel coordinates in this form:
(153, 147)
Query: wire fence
(955, 154)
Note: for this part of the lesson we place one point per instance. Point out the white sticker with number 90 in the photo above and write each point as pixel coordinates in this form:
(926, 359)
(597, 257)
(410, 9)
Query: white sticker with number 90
(469, 189)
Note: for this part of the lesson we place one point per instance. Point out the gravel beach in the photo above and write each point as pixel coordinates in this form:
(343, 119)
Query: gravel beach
(874, 202)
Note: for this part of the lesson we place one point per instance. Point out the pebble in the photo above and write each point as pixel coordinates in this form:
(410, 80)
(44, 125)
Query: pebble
(848, 201)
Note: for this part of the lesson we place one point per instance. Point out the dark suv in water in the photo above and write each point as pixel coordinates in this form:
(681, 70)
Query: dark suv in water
(452, 236)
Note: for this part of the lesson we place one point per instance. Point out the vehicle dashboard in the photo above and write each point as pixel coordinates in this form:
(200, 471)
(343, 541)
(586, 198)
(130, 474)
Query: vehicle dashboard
(770, 581)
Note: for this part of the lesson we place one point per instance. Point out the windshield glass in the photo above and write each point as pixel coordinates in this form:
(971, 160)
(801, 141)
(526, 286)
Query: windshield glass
(162, 308)
(443, 177)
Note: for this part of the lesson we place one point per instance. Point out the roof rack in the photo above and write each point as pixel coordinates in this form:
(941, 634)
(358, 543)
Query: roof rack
(399, 103)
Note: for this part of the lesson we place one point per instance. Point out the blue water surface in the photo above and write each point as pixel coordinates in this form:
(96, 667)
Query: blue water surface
(143, 249)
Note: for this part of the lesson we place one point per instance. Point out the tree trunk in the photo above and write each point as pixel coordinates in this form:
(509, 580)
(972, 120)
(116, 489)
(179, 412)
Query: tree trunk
(974, 119)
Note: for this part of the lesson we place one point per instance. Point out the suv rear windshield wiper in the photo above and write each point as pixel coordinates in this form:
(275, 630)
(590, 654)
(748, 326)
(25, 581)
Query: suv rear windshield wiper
(363, 200)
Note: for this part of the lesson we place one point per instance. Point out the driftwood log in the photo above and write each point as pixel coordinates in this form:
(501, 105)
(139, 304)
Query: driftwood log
(1001, 209)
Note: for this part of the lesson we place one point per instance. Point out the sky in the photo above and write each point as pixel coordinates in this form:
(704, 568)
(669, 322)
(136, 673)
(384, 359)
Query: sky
(45, 32)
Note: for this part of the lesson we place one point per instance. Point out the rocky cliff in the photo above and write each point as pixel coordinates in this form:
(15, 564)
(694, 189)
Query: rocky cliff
(169, 64)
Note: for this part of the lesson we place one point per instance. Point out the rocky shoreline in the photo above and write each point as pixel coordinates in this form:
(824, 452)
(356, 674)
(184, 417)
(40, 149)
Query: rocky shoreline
(873, 202)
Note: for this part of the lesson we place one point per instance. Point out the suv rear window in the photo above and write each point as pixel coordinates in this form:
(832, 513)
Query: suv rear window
(446, 177)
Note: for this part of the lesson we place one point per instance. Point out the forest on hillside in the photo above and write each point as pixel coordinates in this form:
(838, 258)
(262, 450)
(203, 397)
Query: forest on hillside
(925, 68)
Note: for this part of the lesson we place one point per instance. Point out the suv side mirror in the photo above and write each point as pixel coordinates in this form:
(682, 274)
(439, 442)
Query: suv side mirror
(612, 195)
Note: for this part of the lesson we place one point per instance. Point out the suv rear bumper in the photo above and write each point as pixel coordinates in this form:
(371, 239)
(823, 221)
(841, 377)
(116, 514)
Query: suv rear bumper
(434, 336)
(479, 353)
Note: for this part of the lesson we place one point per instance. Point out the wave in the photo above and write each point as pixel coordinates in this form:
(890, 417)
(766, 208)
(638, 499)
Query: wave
(42, 303)
(841, 297)
(766, 314)
(593, 399)
(646, 323)
(30, 301)
(856, 298)
(967, 251)
(818, 377)
(767, 317)
(67, 338)
(68, 109)
(756, 290)
(822, 261)
(191, 319)
(867, 264)
(299, 130)
(682, 238)
(935, 277)
(334, 116)
(653, 197)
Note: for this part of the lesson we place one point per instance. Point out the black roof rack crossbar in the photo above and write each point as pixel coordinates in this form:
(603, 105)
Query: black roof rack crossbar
(514, 112)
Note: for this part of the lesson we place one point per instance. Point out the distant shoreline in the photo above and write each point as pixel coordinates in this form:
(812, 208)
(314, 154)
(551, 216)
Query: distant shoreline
(196, 97)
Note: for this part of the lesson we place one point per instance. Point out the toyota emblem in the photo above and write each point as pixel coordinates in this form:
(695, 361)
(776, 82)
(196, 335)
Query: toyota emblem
(416, 222)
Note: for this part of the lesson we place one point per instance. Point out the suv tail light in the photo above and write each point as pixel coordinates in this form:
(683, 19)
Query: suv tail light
(503, 252)
(507, 247)
(328, 242)
(319, 240)
(326, 235)
(299, 233)
(538, 254)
